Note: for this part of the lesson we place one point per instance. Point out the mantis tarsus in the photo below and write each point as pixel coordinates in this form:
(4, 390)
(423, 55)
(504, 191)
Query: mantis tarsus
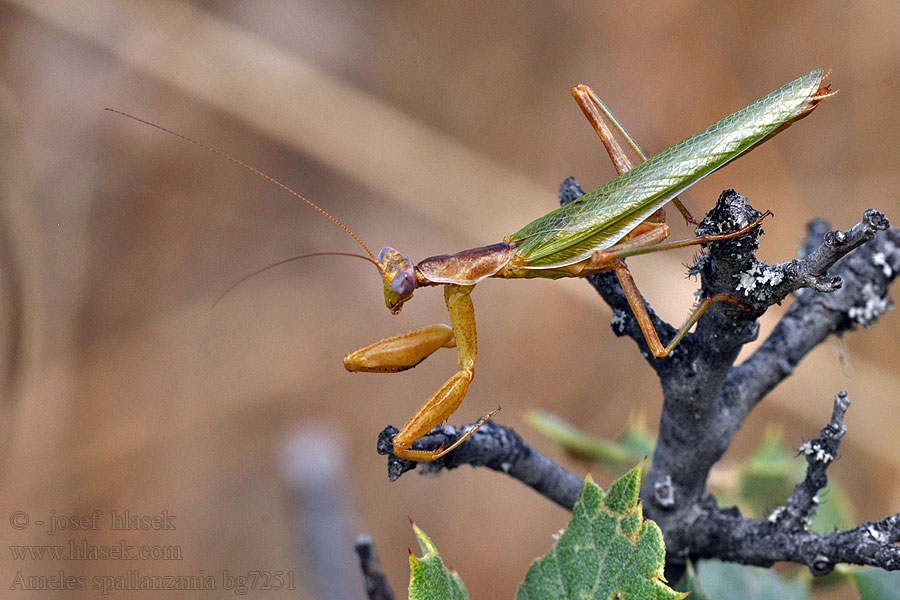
(621, 218)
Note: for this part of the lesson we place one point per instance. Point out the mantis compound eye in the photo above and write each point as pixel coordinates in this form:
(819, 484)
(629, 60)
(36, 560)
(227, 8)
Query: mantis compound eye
(403, 283)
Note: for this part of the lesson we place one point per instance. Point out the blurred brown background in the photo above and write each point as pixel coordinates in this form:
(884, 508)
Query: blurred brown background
(432, 128)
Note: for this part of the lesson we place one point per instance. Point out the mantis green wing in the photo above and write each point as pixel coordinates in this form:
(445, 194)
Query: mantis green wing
(605, 215)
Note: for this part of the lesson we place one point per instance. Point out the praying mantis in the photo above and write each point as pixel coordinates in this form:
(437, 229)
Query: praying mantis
(595, 233)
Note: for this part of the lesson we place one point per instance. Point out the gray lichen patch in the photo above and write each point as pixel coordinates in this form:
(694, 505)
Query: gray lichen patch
(815, 449)
(753, 281)
(872, 306)
(618, 322)
(880, 259)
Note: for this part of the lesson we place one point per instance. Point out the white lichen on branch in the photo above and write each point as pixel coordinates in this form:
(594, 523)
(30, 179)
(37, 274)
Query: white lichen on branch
(814, 448)
(880, 259)
(757, 278)
(873, 306)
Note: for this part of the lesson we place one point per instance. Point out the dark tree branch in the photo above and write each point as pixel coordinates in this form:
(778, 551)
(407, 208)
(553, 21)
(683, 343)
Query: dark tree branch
(820, 452)
(726, 535)
(866, 276)
(784, 536)
(376, 583)
(492, 446)
(767, 285)
(706, 398)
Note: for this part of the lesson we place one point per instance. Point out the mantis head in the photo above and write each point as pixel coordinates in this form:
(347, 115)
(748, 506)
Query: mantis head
(399, 277)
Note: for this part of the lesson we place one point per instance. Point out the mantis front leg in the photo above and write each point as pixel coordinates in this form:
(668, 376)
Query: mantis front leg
(406, 351)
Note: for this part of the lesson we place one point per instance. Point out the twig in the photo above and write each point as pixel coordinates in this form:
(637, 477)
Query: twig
(495, 447)
(712, 532)
(726, 535)
(376, 583)
(866, 276)
(312, 465)
(820, 452)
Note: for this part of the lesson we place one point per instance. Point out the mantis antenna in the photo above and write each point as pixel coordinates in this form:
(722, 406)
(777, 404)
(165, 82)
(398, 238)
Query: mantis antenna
(258, 173)
(285, 261)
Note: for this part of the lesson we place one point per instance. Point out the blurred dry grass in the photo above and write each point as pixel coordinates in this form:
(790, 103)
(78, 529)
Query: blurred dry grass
(431, 128)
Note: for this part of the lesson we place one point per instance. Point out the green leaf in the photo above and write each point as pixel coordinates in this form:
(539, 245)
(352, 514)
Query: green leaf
(835, 510)
(723, 581)
(636, 438)
(876, 584)
(607, 551)
(614, 455)
(429, 579)
(767, 477)
(691, 583)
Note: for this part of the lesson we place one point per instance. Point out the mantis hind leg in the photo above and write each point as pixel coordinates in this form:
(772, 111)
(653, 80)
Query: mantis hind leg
(596, 111)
